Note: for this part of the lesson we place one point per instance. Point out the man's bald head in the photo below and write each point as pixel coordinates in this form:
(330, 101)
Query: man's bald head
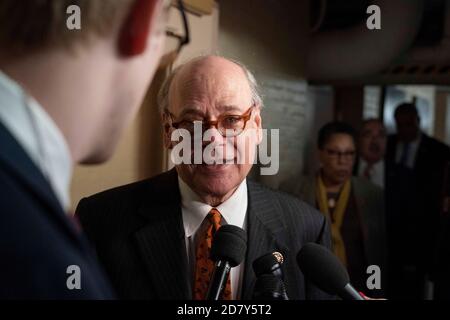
(208, 64)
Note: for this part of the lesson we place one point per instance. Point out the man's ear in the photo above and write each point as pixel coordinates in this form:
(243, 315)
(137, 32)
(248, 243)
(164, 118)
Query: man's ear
(258, 122)
(137, 27)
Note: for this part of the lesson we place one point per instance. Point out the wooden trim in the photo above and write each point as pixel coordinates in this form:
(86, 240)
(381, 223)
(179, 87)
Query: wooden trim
(198, 7)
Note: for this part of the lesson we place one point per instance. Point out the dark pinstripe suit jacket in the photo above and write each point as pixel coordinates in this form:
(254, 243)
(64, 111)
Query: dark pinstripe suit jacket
(138, 233)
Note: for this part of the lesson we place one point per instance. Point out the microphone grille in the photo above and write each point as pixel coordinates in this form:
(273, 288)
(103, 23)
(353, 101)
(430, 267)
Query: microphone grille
(269, 287)
(230, 244)
(268, 263)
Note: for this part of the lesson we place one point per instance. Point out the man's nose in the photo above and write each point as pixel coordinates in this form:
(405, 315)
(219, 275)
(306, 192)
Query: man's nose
(212, 135)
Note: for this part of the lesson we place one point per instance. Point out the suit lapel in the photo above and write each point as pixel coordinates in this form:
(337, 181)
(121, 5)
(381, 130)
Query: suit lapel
(423, 153)
(161, 242)
(266, 233)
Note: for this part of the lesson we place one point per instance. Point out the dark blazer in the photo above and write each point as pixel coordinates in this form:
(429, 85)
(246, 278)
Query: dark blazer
(414, 200)
(139, 235)
(442, 276)
(37, 240)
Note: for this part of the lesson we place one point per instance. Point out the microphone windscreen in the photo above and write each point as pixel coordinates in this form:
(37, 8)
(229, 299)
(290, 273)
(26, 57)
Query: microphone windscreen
(267, 263)
(229, 244)
(323, 268)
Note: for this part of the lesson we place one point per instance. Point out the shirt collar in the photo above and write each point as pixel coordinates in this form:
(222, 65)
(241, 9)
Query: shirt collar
(38, 135)
(363, 164)
(194, 211)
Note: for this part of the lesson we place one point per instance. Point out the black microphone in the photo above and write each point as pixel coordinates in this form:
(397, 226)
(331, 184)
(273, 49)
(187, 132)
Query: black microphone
(269, 263)
(269, 287)
(323, 268)
(227, 251)
(269, 284)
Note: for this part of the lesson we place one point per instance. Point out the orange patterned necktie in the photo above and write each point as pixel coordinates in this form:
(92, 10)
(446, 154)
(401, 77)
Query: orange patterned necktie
(204, 265)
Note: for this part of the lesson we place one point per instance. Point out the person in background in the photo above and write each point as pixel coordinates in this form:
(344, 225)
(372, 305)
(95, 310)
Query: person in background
(415, 171)
(353, 205)
(65, 97)
(371, 150)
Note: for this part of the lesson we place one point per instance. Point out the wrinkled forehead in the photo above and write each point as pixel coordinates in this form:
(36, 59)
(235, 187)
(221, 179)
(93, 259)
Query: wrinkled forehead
(210, 89)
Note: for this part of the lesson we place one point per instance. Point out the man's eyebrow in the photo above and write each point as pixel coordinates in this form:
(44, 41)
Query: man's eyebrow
(191, 111)
(229, 108)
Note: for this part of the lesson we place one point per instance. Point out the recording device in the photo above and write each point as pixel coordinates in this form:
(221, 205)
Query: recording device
(325, 270)
(227, 251)
(269, 284)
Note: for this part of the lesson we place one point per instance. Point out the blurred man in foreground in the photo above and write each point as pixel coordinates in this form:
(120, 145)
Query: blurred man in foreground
(65, 97)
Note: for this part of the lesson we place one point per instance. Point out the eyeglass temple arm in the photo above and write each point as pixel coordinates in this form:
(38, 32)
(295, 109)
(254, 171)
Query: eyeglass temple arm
(187, 37)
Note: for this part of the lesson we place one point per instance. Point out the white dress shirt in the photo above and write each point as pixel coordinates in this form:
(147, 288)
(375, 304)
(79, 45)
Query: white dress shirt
(233, 211)
(38, 135)
(412, 152)
(376, 172)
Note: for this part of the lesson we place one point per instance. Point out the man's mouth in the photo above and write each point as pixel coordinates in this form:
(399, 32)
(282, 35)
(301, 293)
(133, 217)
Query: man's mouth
(212, 168)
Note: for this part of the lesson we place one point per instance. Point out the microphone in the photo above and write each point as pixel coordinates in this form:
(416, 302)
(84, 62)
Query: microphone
(323, 268)
(269, 284)
(227, 251)
(269, 287)
(269, 263)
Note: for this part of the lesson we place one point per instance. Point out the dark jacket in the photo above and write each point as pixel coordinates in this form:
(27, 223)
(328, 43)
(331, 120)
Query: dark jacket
(138, 232)
(38, 242)
(414, 200)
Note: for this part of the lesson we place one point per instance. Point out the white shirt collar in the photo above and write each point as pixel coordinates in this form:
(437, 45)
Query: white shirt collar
(194, 211)
(38, 135)
(376, 172)
(375, 167)
(413, 148)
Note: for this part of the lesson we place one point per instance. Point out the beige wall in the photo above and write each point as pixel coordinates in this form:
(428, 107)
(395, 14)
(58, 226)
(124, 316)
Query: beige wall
(269, 37)
(264, 36)
(140, 153)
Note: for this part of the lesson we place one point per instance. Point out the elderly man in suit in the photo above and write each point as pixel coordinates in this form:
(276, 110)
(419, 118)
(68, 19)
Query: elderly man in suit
(150, 235)
(353, 205)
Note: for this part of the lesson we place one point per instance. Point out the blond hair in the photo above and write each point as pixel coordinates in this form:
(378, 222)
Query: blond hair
(31, 25)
